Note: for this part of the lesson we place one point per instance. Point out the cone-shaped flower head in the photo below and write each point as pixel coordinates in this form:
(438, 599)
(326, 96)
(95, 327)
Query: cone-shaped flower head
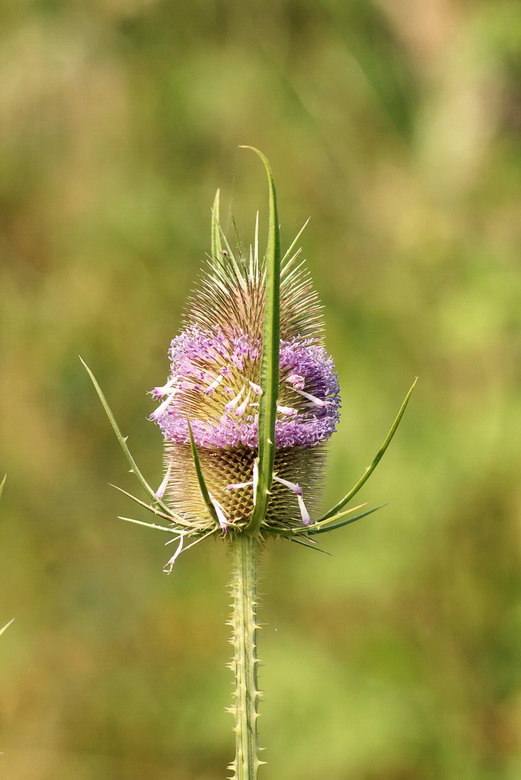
(250, 401)
(214, 388)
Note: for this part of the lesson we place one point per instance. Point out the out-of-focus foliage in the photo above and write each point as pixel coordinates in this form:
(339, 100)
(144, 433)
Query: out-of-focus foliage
(396, 127)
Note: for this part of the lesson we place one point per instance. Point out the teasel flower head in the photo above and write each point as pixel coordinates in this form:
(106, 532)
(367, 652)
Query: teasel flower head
(214, 390)
(249, 403)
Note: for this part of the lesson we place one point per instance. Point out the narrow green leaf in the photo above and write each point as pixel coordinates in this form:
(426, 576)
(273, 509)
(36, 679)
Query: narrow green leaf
(379, 455)
(2, 483)
(269, 379)
(216, 230)
(200, 477)
(332, 526)
(123, 442)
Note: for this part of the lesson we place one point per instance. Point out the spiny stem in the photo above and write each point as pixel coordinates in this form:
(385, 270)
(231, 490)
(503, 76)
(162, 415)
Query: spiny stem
(245, 553)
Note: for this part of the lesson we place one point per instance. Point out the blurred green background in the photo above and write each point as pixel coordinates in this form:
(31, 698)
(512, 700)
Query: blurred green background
(395, 126)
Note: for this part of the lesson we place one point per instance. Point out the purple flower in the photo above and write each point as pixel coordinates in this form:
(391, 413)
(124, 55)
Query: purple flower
(214, 383)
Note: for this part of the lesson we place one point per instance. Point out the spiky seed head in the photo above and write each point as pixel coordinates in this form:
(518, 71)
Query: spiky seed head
(214, 387)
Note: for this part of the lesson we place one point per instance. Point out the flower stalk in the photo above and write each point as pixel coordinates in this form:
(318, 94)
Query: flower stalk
(245, 549)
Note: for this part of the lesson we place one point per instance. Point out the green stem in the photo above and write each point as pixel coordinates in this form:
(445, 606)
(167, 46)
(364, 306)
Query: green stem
(245, 553)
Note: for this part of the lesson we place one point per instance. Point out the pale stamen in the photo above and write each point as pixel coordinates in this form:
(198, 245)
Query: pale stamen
(304, 514)
(219, 511)
(161, 391)
(170, 564)
(164, 406)
(290, 485)
(314, 400)
(233, 403)
(216, 382)
(239, 485)
(242, 408)
(288, 410)
(306, 519)
(296, 381)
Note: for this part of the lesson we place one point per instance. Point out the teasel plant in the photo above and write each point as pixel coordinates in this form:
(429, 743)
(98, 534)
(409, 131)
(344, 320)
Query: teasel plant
(250, 401)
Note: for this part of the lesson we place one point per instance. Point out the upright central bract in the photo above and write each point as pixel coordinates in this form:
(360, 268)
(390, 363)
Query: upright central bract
(213, 390)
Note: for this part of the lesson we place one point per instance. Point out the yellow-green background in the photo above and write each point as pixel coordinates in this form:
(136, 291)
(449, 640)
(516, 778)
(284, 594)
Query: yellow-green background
(395, 125)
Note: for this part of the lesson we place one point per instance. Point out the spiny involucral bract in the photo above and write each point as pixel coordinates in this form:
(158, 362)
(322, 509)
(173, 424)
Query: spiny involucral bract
(214, 385)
